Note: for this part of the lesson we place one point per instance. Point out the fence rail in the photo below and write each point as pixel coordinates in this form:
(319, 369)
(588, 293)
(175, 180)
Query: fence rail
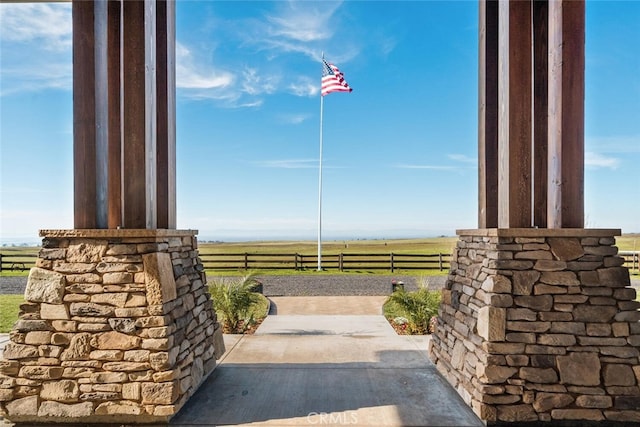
(295, 261)
(631, 260)
(340, 262)
(17, 262)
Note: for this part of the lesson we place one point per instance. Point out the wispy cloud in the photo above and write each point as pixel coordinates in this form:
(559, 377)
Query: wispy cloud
(293, 119)
(49, 24)
(598, 161)
(302, 27)
(198, 79)
(304, 86)
(289, 163)
(36, 47)
(255, 83)
(463, 158)
(464, 162)
(303, 21)
(430, 167)
(201, 81)
(614, 144)
(190, 75)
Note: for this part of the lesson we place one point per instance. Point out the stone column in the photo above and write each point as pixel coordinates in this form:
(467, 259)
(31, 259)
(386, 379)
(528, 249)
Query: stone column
(117, 327)
(540, 325)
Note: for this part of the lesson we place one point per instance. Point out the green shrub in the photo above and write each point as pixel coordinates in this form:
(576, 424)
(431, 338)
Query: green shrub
(233, 299)
(418, 307)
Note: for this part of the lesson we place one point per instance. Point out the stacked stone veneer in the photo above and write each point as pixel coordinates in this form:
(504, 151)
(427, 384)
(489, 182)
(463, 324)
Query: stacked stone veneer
(540, 325)
(117, 326)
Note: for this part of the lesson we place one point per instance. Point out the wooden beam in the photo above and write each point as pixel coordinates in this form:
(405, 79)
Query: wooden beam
(540, 110)
(84, 115)
(150, 114)
(515, 126)
(102, 112)
(573, 68)
(114, 97)
(134, 130)
(488, 115)
(566, 114)
(166, 131)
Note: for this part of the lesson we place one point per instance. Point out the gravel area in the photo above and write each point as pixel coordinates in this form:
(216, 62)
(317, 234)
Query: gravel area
(13, 284)
(306, 285)
(297, 285)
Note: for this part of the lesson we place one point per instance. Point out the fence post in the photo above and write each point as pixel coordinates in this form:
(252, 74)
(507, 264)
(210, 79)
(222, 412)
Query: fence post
(440, 261)
(1, 263)
(340, 262)
(246, 261)
(392, 262)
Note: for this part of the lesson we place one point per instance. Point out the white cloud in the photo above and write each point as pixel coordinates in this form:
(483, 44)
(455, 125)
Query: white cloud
(614, 144)
(255, 83)
(304, 86)
(36, 47)
(294, 119)
(289, 163)
(463, 158)
(303, 21)
(596, 160)
(302, 27)
(431, 167)
(192, 74)
(49, 24)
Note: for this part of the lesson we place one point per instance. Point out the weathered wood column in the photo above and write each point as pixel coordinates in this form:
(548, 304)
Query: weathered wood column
(488, 115)
(566, 114)
(531, 114)
(515, 115)
(124, 114)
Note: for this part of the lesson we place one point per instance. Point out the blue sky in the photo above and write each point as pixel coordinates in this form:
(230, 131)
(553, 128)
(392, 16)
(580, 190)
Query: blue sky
(400, 151)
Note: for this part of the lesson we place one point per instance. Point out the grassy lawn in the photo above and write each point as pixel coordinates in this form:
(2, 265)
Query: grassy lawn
(9, 308)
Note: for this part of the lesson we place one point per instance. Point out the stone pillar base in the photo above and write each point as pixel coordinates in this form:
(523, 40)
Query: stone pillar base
(118, 327)
(541, 325)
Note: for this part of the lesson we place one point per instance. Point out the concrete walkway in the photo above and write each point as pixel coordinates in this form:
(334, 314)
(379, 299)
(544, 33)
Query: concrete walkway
(310, 369)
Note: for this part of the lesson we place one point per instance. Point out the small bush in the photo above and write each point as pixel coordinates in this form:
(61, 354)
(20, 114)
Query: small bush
(418, 307)
(233, 300)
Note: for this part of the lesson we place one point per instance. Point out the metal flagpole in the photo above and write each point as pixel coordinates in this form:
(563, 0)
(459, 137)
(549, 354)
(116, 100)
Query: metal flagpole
(320, 189)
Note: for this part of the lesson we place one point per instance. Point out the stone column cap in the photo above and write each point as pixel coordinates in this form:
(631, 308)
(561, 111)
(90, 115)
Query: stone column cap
(540, 232)
(116, 232)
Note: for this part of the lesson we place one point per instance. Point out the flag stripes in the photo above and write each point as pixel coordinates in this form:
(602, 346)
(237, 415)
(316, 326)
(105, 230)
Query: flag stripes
(332, 80)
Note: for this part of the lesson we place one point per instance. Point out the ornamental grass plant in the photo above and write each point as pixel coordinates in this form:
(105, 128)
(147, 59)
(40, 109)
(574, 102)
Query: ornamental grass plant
(415, 308)
(233, 300)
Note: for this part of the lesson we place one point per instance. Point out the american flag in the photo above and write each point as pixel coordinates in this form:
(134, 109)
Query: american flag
(332, 80)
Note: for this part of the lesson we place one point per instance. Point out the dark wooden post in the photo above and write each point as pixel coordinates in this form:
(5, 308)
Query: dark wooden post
(540, 108)
(114, 192)
(84, 115)
(166, 112)
(488, 114)
(514, 121)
